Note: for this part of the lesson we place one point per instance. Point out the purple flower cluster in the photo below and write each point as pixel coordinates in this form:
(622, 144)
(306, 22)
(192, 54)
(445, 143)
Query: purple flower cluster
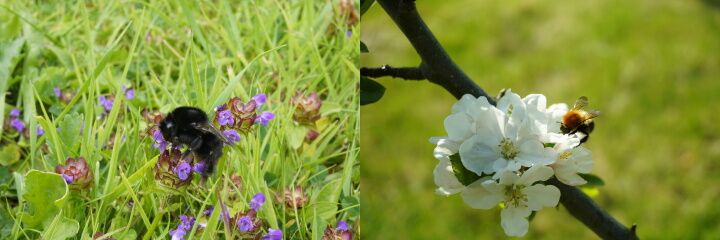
(171, 170)
(257, 201)
(186, 224)
(236, 117)
(160, 142)
(106, 102)
(273, 234)
(15, 121)
(57, 92)
(248, 222)
(232, 135)
(183, 170)
(129, 93)
(341, 231)
(245, 223)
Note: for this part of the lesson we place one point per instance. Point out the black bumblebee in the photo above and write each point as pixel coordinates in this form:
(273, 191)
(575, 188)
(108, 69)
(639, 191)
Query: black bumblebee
(190, 126)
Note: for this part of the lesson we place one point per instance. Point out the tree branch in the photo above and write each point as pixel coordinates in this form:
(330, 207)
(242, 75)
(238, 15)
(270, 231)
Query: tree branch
(436, 64)
(589, 213)
(407, 73)
(441, 70)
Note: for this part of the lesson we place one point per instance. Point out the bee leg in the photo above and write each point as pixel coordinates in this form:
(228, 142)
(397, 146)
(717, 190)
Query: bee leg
(195, 144)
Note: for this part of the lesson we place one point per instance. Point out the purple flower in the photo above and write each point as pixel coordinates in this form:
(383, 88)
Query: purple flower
(199, 167)
(273, 234)
(257, 201)
(68, 178)
(105, 103)
(40, 131)
(259, 99)
(342, 226)
(348, 33)
(209, 210)
(183, 170)
(57, 92)
(245, 224)
(17, 124)
(160, 142)
(232, 135)
(14, 112)
(264, 118)
(129, 93)
(186, 224)
(225, 117)
(221, 107)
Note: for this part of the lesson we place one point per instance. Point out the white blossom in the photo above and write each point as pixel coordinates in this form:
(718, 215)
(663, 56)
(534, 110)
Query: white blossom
(508, 140)
(444, 176)
(518, 193)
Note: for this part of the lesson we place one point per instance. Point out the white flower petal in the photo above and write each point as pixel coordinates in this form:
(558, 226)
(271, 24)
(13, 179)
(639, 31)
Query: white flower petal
(514, 221)
(582, 157)
(532, 152)
(445, 148)
(499, 165)
(534, 174)
(563, 142)
(478, 154)
(459, 126)
(517, 117)
(508, 178)
(537, 122)
(555, 113)
(540, 196)
(568, 175)
(445, 179)
(465, 103)
(482, 195)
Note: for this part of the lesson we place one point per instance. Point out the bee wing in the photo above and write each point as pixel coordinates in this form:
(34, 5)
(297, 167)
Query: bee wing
(208, 128)
(580, 103)
(593, 114)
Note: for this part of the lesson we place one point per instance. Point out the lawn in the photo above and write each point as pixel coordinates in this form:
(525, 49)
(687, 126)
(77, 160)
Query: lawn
(651, 68)
(84, 85)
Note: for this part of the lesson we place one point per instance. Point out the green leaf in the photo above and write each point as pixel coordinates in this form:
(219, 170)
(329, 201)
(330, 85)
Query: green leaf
(363, 47)
(370, 91)
(466, 177)
(61, 228)
(352, 206)
(9, 56)
(326, 200)
(9, 154)
(365, 5)
(592, 180)
(70, 129)
(45, 194)
(296, 136)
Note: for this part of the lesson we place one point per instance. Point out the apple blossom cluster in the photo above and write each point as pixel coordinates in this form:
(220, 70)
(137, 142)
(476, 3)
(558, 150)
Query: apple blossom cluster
(501, 155)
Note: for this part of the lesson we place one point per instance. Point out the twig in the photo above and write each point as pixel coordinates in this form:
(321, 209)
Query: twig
(584, 209)
(441, 70)
(407, 73)
(436, 64)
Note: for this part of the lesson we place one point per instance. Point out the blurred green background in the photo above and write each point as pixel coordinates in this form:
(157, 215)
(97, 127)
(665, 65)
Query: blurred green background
(651, 67)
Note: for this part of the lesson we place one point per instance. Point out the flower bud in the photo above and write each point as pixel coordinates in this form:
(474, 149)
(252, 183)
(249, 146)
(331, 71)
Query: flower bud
(75, 172)
(307, 108)
(294, 198)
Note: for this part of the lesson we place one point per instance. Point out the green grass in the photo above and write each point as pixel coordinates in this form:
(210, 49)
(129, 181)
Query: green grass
(651, 68)
(173, 53)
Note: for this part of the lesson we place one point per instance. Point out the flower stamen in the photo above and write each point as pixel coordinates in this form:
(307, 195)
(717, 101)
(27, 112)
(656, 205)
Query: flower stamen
(508, 149)
(514, 196)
